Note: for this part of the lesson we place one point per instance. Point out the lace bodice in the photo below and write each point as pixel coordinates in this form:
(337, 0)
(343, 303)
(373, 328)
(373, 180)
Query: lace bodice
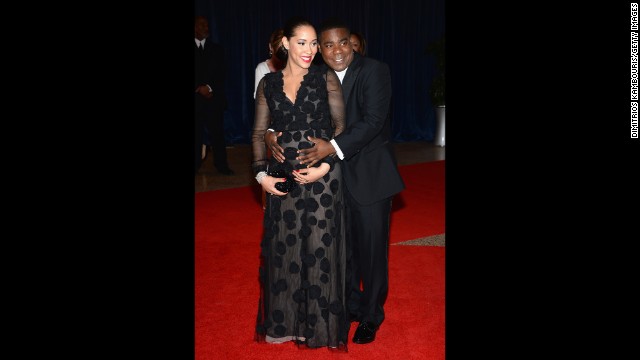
(318, 111)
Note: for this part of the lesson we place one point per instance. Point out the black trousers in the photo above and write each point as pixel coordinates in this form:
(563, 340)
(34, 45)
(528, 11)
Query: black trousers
(210, 117)
(367, 239)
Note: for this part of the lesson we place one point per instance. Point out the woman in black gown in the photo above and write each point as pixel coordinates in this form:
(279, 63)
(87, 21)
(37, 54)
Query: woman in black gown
(302, 271)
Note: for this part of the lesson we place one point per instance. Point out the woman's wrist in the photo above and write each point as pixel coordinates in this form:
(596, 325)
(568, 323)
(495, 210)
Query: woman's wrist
(325, 168)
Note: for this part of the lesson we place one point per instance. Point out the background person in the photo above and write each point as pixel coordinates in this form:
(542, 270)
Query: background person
(358, 43)
(276, 60)
(210, 100)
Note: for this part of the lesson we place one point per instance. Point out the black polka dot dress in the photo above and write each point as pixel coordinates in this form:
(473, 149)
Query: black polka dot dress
(302, 270)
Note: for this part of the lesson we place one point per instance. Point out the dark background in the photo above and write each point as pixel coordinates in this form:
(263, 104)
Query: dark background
(396, 32)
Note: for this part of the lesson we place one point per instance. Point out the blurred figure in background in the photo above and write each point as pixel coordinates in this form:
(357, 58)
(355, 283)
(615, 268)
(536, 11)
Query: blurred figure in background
(276, 60)
(358, 43)
(210, 100)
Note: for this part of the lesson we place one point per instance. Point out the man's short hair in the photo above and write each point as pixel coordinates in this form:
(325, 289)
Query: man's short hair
(333, 23)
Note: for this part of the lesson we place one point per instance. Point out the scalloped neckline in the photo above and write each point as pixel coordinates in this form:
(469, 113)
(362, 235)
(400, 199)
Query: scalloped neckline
(304, 78)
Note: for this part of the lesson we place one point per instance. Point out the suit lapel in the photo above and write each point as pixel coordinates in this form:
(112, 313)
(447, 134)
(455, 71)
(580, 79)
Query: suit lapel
(350, 77)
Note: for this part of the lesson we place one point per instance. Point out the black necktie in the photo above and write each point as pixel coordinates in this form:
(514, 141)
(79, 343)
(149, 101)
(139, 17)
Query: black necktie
(201, 48)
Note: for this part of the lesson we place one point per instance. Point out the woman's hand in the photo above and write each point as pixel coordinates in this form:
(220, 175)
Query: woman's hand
(269, 185)
(308, 175)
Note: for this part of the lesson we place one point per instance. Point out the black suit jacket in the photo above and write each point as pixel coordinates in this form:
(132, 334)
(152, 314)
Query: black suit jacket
(370, 169)
(210, 69)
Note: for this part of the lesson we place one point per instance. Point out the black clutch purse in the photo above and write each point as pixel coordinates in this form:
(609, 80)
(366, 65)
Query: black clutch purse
(286, 186)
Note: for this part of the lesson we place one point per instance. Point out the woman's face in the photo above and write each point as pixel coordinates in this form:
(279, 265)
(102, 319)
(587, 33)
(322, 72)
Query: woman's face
(302, 46)
(355, 43)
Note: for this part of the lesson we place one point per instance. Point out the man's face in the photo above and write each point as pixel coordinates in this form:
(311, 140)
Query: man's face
(336, 48)
(202, 28)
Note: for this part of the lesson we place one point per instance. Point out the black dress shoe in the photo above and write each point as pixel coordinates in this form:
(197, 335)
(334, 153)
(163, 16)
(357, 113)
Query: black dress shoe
(365, 333)
(226, 171)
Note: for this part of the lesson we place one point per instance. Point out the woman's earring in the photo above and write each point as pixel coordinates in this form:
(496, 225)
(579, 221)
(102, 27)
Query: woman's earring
(270, 53)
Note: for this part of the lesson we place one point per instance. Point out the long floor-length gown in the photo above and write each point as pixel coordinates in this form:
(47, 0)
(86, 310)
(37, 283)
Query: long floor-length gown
(303, 261)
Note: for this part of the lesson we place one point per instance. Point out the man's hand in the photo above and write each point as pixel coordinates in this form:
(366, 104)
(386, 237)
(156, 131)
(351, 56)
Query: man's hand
(203, 90)
(271, 140)
(319, 151)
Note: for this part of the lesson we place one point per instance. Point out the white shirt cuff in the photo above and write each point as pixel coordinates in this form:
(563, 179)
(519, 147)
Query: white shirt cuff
(261, 176)
(338, 151)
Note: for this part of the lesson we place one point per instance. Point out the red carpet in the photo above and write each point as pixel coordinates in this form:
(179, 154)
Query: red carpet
(418, 211)
(228, 230)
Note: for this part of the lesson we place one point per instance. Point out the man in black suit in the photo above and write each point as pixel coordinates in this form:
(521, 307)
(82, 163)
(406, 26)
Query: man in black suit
(210, 100)
(370, 173)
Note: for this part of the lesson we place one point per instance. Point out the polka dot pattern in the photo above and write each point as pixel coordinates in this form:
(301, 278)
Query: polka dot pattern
(303, 252)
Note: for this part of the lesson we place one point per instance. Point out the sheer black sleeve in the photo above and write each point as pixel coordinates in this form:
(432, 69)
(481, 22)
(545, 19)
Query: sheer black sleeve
(261, 123)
